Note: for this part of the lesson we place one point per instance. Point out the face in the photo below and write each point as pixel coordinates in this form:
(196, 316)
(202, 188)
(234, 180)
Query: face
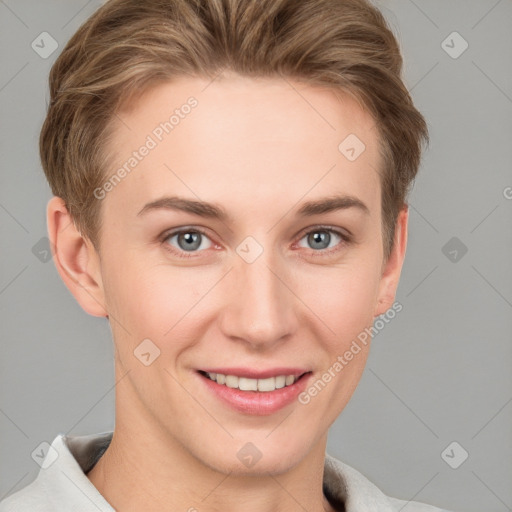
(244, 242)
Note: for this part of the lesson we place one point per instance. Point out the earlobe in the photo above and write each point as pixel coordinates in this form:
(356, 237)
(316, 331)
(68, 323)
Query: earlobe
(75, 258)
(393, 267)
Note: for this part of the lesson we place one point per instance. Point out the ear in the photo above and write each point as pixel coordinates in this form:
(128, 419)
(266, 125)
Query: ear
(393, 266)
(76, 259)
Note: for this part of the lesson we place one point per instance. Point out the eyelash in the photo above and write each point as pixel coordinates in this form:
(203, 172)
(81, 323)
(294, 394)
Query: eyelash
(345, 240)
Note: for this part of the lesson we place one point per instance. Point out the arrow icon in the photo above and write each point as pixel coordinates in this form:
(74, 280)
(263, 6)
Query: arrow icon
(249, 455)
(454, 249)
(146, 352)
(249, 253)
(44, 45)
(41, 250)
(44, 455)
(454, 455)
(454, 45)
(351, 147)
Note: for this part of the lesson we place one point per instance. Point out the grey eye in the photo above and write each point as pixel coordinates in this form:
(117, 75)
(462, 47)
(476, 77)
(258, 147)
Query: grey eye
(190, 240)
(320, 239)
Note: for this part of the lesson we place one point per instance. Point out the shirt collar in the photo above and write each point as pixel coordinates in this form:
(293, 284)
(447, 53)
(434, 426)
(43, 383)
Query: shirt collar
(65, 480)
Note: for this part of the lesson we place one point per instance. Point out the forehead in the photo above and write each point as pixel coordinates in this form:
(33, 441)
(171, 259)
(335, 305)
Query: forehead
(249, 137)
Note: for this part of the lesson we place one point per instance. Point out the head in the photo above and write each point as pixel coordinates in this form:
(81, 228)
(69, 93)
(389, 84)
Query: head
(270, 111)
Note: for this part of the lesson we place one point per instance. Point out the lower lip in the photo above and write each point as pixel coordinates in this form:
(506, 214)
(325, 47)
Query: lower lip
(258, 403)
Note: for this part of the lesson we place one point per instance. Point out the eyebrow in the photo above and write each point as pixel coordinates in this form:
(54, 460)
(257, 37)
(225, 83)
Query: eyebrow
(210, 210)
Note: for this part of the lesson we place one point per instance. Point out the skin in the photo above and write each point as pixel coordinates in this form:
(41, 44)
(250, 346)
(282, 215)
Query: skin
(259, 148)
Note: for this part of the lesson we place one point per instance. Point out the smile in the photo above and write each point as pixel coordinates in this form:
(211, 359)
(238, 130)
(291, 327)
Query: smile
(255, 391)
(247, 384)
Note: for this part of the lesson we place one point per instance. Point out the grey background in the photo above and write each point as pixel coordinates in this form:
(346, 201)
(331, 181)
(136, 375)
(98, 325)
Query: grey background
(439, 372)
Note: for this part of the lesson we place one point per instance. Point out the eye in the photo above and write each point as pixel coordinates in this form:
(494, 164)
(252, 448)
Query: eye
(187, 240)
(184, 243)
(320, 239)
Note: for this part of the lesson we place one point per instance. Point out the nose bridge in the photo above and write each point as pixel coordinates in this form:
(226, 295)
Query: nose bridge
(259, 307)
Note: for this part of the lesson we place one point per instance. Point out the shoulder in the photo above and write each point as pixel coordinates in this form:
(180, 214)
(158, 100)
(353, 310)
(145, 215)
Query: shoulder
(61, 483)
(345, 484)
(31, 498)
(413, 506)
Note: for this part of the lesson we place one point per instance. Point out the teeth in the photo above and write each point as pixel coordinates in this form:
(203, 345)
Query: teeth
(231, 381)
(246, 384)
(267, 384)
(280, 382)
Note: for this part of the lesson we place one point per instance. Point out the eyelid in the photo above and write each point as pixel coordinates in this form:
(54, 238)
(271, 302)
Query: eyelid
(343, 233)
(184, 229)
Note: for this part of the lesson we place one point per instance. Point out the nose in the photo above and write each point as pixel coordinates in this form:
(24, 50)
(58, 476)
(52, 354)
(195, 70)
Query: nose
(259, 308)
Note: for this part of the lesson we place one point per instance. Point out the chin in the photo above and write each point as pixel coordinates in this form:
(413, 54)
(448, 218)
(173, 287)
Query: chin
(258, 458)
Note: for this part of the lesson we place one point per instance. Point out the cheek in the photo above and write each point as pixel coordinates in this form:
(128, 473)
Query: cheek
(343, 298)
(156, 300)
(149, 300)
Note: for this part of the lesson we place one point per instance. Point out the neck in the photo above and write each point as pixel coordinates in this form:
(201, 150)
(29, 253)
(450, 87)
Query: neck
(133, 476)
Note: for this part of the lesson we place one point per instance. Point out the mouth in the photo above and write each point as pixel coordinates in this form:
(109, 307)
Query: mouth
(251, 384)
(257, 393)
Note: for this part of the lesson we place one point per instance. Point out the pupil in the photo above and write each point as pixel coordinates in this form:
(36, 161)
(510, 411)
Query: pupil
(192, 241)
(320, 237)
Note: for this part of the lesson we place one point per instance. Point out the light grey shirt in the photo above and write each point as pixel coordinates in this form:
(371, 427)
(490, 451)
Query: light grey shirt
(62, 485)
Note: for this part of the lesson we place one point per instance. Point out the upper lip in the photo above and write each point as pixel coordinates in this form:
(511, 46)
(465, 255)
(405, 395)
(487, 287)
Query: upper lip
(251, 373)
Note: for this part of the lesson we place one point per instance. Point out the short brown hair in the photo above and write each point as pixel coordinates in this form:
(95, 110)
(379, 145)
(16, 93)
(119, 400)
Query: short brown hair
(127, 46)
